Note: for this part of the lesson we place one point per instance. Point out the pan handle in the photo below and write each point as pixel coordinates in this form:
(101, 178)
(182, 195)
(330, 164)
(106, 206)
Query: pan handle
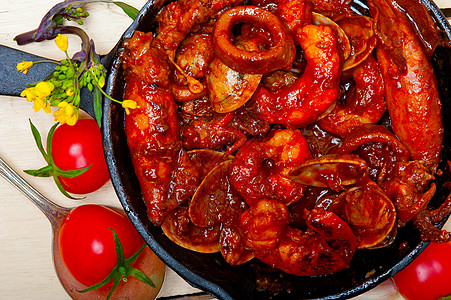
(13, 82)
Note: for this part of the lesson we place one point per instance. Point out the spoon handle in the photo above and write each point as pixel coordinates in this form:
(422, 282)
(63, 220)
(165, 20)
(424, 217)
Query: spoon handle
(52, 211)
(12, 82)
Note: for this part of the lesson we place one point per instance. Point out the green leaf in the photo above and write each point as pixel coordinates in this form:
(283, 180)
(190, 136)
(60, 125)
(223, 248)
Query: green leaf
(52, 170)
(119, 250)
(62, 190)
(46, 171)
(70, 173)
(49, 142)
(128, 9)
(98, 285)
(38, 140)
(141, 276)
(30, 172)
(135, 256)
(97, 105)
(135, 272)
(117, 280)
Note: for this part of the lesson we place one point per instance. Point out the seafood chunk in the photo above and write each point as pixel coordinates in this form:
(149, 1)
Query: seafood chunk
(361, 35)
(279, 55)
(230, 89)
(411, 90)
(333, 8)
(178, 19)
(211, 132)
(195, 54)
(295, 14)
(166, 175)
(216, 202)
(315, 91)
(261, 167)
(343, 44)
(178, 228)
(362, 103)
(332, 170)
(144, 56)
(327, 246)
(379, 147)
(410, 189)
(369, 212)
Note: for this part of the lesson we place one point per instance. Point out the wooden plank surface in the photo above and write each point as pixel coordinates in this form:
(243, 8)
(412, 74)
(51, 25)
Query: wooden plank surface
(25, 234)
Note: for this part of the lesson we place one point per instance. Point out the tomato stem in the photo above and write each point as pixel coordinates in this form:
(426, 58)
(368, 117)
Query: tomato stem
(52, 170)
(123, 270)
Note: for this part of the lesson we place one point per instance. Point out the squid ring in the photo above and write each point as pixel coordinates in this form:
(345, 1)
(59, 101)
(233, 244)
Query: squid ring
(278, 56)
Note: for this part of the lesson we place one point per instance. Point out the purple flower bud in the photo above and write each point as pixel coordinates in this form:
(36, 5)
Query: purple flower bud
(79, 56)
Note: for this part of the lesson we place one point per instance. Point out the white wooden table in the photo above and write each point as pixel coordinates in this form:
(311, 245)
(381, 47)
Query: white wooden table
(26, 267)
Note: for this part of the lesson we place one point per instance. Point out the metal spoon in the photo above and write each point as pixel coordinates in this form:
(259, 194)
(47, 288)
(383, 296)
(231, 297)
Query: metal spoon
(56, 214)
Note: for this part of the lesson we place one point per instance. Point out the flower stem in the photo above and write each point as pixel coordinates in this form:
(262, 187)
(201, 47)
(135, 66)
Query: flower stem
(101, 90)
(47, 61)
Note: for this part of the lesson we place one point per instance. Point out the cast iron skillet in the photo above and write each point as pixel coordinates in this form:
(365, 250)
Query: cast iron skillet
(210, 272)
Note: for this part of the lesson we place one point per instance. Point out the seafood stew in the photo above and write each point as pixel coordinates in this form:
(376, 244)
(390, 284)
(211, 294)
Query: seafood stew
(254, 279)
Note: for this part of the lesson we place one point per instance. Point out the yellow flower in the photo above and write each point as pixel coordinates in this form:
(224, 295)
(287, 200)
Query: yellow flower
(41, 103)
(69, 92)
(129, 104)
(72, 120)
(38, 102)
(43, 89)
(67, 113)
(61, 42)
(101, 81)
(24, 66)
(29, 94)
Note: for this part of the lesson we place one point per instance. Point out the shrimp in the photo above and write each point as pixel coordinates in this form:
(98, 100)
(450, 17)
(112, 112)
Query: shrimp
(362, 104)
(314, 92)
(327, 246)
(260, 167)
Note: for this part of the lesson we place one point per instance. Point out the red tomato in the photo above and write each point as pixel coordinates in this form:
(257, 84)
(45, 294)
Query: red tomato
(87, 243)
(78, 146)
(427, 277)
